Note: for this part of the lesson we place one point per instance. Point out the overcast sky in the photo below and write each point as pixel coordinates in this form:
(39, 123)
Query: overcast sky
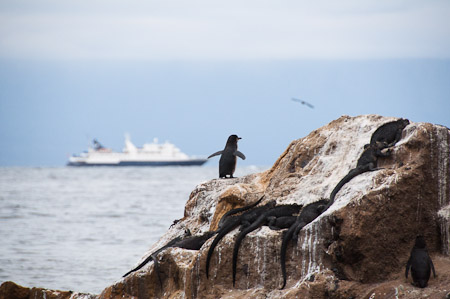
(221, 30)
(194, 72)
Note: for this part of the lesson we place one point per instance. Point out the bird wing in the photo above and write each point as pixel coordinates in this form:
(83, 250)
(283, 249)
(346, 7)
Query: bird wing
(240, 155)
(432, 266)
(309, 105)
(303, 102)
(408, 265)
(215, 154)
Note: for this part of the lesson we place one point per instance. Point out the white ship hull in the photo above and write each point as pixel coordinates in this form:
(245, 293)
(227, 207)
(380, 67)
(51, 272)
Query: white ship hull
(191, 162)
(153, 154)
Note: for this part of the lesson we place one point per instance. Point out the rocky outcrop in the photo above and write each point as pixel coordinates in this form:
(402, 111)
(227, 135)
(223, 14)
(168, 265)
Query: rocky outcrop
(363, 240)
(10, 290)
(358, 247)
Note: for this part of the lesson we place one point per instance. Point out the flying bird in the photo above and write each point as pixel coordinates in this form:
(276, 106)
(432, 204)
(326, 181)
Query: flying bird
(303, 102)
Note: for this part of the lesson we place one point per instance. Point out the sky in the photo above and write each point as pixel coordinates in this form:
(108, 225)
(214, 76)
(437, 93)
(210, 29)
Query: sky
(195, 72)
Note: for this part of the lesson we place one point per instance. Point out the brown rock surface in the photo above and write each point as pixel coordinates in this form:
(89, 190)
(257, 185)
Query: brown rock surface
(10, 290)
(357, 248)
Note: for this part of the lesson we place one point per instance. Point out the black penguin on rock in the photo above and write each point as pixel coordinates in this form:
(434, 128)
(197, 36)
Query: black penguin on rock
(227, 162)
(420, 264)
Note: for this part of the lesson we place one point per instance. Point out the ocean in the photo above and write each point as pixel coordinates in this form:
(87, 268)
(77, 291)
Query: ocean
(81, 229)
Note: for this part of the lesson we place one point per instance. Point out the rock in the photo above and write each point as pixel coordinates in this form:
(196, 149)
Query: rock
(358, 248)
(10, 290)
(362, 241)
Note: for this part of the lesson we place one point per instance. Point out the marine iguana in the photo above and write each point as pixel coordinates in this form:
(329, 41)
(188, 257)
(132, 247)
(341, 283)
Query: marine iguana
(238, 210)
(386, 135)
(153, 254)
(263, 219)
(366, 162)
(307, 215)
(228, 223)
(420, 263)
(191, 243)
(389, 133)
(227, 162)
(277, 223)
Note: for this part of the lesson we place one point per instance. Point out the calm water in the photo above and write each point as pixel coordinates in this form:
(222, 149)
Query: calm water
(81, 229)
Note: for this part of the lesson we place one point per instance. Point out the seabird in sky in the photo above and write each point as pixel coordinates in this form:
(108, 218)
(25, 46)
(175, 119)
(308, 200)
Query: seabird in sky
(303, 102)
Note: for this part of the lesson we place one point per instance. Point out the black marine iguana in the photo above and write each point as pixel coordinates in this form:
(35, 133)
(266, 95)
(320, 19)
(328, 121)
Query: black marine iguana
(307, 215)
(385, 136)
(238, 210)
(389, 133)
(191, 243)
(277, 223)
(227, 223)
(420, 264)
(366, 162)
(263, 219)
(153, 255)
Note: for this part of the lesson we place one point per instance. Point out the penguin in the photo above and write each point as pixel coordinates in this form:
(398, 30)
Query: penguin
(227, 162)
(420, 263)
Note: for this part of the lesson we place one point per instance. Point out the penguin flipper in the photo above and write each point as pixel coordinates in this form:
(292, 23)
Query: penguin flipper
(240, 155)
(215, 154)
(432, 266)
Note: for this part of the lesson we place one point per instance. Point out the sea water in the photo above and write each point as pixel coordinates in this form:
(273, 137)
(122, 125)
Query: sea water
(81, 229)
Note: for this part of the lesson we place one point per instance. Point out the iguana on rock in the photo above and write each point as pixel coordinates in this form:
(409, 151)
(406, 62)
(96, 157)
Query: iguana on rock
(227, 223)
(263, 219)
(307, 215)
(389, 133)
(386, 135)
(367, 162)
(191, 243)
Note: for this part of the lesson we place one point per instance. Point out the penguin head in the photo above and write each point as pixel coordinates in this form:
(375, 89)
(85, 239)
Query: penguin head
(420, 242)
(233, 139)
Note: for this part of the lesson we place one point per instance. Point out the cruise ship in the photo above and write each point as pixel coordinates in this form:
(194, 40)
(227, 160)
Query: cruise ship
(150, 154)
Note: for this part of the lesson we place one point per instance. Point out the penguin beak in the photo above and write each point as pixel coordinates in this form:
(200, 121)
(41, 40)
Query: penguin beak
(239, 138)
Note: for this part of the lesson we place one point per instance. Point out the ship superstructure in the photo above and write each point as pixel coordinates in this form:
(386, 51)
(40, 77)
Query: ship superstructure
(150, 154)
